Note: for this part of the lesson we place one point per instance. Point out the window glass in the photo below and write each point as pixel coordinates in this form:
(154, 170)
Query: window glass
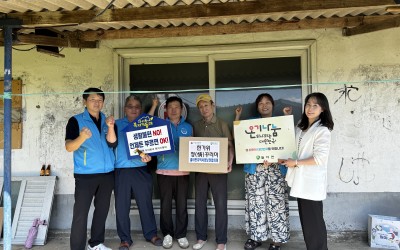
(242, 80)
(253, 77)
(166, 77)
(163, 79)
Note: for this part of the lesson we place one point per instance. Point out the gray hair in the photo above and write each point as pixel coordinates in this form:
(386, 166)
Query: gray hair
(133, 97)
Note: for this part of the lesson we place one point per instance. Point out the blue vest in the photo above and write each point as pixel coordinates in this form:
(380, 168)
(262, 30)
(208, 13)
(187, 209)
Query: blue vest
(121, 153)
(171, 161)
(94, 156)
(250, 168)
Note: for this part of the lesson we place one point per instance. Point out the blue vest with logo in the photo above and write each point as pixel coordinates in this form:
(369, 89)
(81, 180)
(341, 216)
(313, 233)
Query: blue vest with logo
(121, 153)
(171, 161)
(94, 156)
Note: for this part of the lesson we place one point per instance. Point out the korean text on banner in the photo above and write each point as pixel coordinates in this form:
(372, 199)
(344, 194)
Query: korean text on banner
(204, 151)
(270, 139)
(203, 154)
(149, 134)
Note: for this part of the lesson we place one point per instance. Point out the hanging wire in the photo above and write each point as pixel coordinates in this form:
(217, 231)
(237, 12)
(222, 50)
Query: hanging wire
(34, 47)
(387, 81)
(102, 12)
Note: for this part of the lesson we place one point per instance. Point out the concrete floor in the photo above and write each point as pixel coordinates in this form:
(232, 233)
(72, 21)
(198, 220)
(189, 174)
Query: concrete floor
(59, 240)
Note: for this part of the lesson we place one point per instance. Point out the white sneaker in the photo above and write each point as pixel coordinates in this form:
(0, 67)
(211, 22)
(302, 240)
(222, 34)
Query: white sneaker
(98, 247)
(199, 244)
(220, 249)
(167, 242)
(183, 242)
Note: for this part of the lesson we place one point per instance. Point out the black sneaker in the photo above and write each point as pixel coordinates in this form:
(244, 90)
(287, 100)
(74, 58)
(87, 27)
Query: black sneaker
(274, 247)
(156, 241)
(251, 244)
(124, 246)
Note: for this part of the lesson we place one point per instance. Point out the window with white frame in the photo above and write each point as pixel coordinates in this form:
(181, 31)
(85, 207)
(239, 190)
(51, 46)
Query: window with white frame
(233, 75)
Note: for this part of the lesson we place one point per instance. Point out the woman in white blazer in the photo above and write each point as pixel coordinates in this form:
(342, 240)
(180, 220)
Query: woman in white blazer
(307, 175)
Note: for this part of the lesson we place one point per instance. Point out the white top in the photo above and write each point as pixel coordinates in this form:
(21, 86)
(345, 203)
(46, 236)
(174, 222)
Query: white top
(310, 181)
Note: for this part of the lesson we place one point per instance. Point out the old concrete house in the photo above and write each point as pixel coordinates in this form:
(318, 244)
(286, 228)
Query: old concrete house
(349, 50)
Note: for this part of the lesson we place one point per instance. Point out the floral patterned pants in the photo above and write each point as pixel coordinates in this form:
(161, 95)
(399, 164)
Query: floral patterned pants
(267, 205)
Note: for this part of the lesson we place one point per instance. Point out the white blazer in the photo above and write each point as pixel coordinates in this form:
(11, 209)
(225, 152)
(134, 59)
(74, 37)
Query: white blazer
(310, 181)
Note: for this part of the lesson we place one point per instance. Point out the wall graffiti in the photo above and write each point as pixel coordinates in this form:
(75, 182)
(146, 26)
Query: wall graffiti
(355, 170)
(366, 130)
(345, 93)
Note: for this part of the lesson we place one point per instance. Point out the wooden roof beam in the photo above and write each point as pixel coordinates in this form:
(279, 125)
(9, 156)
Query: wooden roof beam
(335, 22)
(387, 23)
(67, 42)
(71, 40)
(59, 18)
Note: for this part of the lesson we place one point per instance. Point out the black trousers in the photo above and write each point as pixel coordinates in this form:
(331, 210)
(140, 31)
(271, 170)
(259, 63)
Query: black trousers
(218, 185)
(139, 182)
(173, 187)
(313, 224)
(100, 187)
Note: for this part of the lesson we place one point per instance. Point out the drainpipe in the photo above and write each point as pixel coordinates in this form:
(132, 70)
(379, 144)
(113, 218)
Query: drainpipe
(7, 31)
(7, 25)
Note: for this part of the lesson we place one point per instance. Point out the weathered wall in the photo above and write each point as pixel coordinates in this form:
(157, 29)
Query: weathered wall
(365, 139)
(366, 117)
(52, 88)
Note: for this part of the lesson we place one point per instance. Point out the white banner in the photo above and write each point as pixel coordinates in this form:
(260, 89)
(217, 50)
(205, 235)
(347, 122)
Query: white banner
(150, 140)
(270, 139)
(204, 152)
